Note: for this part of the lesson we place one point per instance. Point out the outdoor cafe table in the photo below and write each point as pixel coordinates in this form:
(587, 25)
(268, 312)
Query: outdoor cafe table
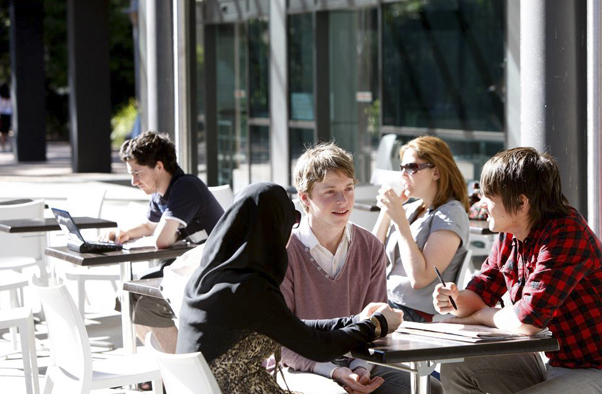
(50, 224)
(124, 258)
(46, 225)
(420, 354)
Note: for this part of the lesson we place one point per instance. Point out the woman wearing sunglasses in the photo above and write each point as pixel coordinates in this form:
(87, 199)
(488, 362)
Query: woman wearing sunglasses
(431, 231)
(234, 313)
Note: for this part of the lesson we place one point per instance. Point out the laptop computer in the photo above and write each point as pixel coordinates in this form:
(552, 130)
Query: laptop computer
(76, 241)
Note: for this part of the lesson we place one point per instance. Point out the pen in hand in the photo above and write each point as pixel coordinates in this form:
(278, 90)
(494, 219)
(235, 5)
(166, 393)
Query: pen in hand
(443, 283)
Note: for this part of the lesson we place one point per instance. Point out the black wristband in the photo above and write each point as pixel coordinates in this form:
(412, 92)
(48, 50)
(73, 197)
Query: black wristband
(384, 327)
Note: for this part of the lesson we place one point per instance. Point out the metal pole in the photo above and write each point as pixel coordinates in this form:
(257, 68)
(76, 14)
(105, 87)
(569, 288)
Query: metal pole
(152, 67)
(553, 62)
(279, 133)
(594, 144)
(182, 100)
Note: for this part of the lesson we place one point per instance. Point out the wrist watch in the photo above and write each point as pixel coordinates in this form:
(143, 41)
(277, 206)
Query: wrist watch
(376, 323)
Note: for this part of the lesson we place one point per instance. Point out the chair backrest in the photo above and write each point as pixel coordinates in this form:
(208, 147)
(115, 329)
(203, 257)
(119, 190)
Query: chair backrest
(463, 269)
(387, 156)
(86, 202)
(71, 367)
(25, 245)
(223, 194)
(183, 373)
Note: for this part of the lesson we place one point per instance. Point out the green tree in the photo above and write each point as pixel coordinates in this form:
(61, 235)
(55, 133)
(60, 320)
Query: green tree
(56, 60)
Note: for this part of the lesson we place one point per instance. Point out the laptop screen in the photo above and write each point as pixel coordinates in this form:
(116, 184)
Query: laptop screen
(67, 224)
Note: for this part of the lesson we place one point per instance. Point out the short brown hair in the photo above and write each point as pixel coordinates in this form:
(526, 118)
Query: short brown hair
(316, 161)
(451, 183)
(525, 171)
(149, 148)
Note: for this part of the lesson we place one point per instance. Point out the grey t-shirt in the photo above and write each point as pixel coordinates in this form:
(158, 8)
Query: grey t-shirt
(449, 216)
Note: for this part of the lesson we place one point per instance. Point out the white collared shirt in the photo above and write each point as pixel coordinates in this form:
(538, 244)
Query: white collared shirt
(330, 264)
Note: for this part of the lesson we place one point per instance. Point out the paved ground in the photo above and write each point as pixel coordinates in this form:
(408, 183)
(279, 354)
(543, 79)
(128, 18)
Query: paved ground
(54, 181)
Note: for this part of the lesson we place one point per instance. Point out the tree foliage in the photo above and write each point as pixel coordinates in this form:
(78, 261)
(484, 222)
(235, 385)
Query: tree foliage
(56, 59)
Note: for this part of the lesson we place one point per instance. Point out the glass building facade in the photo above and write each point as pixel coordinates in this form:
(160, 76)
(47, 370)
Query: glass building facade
(356, 70)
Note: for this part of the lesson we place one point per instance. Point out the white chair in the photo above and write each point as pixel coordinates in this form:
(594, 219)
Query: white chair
(183, 373)
(463, 269)
(88, 203)
(13, 282)
(18, 251)
(72, 369)
(481, 244)
(23, 320)
(387, 156)
(366, 194)
(223, 194)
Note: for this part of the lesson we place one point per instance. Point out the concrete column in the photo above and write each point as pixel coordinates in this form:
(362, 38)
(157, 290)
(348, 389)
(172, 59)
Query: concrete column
(210, 94)
(158, 68)
(512, 74)
(322, 76)
(89, 85)
(184, 56)
(27, 84)
(279, 134)
(554, 88)
(594, 115)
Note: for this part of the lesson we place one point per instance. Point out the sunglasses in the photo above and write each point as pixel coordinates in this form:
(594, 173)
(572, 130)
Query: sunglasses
(412, 168)
(297, 219)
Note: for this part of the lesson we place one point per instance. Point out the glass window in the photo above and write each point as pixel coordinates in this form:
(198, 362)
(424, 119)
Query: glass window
(259, 56)
(354, 84)
(299, 140)
(301, 66)
(231, 104)
(200, 97)
(261, 170)
(443, 64)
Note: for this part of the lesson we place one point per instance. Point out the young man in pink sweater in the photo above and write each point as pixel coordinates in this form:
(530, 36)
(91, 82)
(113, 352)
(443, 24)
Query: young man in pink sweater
(335, 269)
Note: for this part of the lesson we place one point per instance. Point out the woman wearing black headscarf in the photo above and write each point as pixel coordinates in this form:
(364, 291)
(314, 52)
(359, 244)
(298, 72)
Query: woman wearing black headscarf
(233, 311)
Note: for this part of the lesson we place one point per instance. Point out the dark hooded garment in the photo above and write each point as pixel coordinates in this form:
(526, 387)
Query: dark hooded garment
(235, 291)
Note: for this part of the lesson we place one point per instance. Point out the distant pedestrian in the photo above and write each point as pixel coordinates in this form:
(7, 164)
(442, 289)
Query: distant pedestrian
(6, 112)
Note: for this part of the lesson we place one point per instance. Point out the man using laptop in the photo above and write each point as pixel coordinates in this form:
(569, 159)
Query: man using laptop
(181, 207)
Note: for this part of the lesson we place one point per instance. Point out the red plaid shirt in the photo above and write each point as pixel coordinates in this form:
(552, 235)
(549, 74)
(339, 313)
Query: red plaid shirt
(554, 278)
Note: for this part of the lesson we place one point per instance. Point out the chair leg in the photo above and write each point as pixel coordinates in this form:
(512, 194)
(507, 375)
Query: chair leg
(81, 297)
(30, 362)
(14, 303)
(157, 386)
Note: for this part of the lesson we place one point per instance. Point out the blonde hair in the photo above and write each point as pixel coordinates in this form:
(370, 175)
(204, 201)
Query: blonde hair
(451, 183)
(316, 161)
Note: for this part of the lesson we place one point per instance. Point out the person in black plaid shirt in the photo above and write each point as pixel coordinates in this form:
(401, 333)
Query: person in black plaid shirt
(549, 261)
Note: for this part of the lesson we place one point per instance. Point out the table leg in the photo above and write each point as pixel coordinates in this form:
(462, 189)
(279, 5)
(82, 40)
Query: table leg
(420, 382)
(127, 327)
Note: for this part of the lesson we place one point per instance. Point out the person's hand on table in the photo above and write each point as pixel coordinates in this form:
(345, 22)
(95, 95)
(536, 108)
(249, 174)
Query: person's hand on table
(394, 317)
(357, 381)
(480, 317)
(441, 296)
(119, 237)
(370, 309)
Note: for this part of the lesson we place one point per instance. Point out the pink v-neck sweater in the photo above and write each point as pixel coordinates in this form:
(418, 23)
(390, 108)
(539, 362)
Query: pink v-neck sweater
(313, 294)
